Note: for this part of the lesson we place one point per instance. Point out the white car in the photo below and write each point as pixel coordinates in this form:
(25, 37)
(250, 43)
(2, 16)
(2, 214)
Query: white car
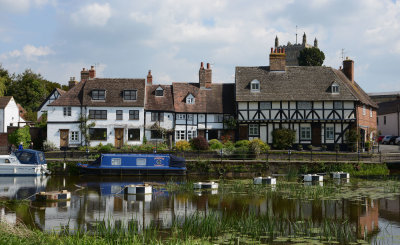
(397, 141)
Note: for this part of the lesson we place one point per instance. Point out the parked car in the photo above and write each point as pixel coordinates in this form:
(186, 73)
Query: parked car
(386, 139)
(392, 140)
(397, 141)
(380, 138)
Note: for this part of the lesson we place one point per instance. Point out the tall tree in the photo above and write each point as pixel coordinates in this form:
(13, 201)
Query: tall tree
(311, 57)
(28, 89)
(5, 80)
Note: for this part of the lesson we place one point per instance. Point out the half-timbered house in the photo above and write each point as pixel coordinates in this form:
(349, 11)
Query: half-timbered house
(320, 103)
(55, 94)
(200, 108)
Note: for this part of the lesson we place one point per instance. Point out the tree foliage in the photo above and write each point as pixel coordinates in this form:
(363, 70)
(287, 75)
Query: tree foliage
(311, 57)
(84, 126)
(20, 135)
(283, 138)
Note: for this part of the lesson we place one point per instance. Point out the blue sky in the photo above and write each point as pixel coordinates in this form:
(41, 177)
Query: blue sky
(126, 38)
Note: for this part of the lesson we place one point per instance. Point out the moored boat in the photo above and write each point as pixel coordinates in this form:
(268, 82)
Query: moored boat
(23, 162)
(135, 164)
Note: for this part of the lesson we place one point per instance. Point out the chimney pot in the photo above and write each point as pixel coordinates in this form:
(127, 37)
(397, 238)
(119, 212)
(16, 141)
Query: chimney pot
(348, 69)
(208, 65)
(92, 67)
(92, 73)
(272, 50)
(202, 65)
(149, 78)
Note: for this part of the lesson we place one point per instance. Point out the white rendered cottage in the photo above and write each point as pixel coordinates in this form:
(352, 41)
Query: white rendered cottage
(10, 114)
(116, 106)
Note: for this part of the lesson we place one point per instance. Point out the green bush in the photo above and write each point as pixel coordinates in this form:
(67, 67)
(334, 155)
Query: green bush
(105, 148)
(215, 144)
(199, 143)
(241, 143)
(351, 139)
(283, 138)
(48, 146)
(182, 145)
(20, 135)
(228, 148)
(257, 146)
(299, 147)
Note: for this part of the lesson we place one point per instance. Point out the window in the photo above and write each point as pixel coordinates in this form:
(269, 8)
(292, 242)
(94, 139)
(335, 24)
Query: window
(190, 99)
(156, 134)
(119, 115)
(335, 88)
(98, 133)
(384, 120)
(157, 116)
(219, 118)
(253, 130)
(191, 134)
(133, 134)
(304, 105)
(180, 117)
(159, 91)
(330, 133)
(116, 161)
(130, 94)
(74, 136)
(370, 112)
(133, 114)
(179, 135)
(98, 94)
(97, 114)
(67, 111)
(140, 161)
(338, 105)
(305, 133)
(265, 105)
(255, 86)
(190, 117)
(364, 110)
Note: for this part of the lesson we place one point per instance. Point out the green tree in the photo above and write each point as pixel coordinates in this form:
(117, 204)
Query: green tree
(283, 138)
(28, 89)
(20, 135)
(84, 126)
(5, 81)
(311, 57)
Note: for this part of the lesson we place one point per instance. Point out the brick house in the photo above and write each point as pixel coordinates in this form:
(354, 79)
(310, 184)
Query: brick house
(319, 103)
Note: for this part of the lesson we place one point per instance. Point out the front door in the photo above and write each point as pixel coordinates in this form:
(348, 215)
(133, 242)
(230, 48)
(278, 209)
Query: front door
(119, 137)
(316, 134)
(64, 133)
(243, 132)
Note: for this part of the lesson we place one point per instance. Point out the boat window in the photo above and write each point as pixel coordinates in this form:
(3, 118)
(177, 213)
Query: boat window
(141, 161)
(116, 161)
(25, 157)
(41, 157)
(6, 160)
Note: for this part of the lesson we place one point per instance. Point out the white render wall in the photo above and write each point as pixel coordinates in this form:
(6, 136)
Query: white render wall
(45, 107)
(10, 116)
(57, 121)
(168, 123)
(391, 126)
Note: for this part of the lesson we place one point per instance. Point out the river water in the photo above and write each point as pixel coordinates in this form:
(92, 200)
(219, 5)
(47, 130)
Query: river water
(97, 199)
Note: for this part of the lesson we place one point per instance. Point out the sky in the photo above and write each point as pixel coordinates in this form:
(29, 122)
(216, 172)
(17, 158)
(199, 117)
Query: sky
(126, 38)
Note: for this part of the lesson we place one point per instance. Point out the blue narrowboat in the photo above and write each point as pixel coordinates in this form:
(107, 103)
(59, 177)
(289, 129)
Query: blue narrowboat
(135, 164)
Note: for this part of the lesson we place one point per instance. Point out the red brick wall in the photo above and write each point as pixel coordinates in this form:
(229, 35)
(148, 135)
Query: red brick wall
(366, 122)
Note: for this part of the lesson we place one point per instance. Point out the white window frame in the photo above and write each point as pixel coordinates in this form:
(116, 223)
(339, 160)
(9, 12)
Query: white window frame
(254, 130)
(190, 117)
(337, 105)
(180, 116)
(74, 136)
(364, 110)
(191, 134)
(67, 111)
(330, 133)
(190, 99)
(179, 135)
(255, 86)
(370, 112)
(157, 90)
(335, 88)
(305, 133)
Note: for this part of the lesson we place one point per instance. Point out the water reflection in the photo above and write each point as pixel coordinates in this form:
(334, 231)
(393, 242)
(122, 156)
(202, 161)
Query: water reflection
(97, 200)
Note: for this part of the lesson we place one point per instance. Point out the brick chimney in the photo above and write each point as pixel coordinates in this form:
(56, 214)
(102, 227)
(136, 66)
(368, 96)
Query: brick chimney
(277, 59)
(348, 68)
(92, 73)
(205, 76)
(72, 82)
(149, 78)
(84, 75)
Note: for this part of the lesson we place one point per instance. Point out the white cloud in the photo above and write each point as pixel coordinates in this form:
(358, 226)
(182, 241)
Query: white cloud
(20, 6)
(28, 52)
(93, 15)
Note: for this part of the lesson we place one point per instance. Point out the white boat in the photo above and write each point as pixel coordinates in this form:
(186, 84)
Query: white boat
(30, 162)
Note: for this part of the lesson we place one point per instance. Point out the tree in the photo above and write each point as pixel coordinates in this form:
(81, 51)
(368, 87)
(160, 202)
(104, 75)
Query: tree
(5, 81)
(283, 138)
(28, 89)
(85, 126)
(311, 57)
(20, 135)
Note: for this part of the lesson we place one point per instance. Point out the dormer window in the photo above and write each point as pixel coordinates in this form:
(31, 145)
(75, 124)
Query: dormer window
(335, 88)
(159, 91)
(190, 99)
(130, 94)
(98, 94)
(255, 86)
